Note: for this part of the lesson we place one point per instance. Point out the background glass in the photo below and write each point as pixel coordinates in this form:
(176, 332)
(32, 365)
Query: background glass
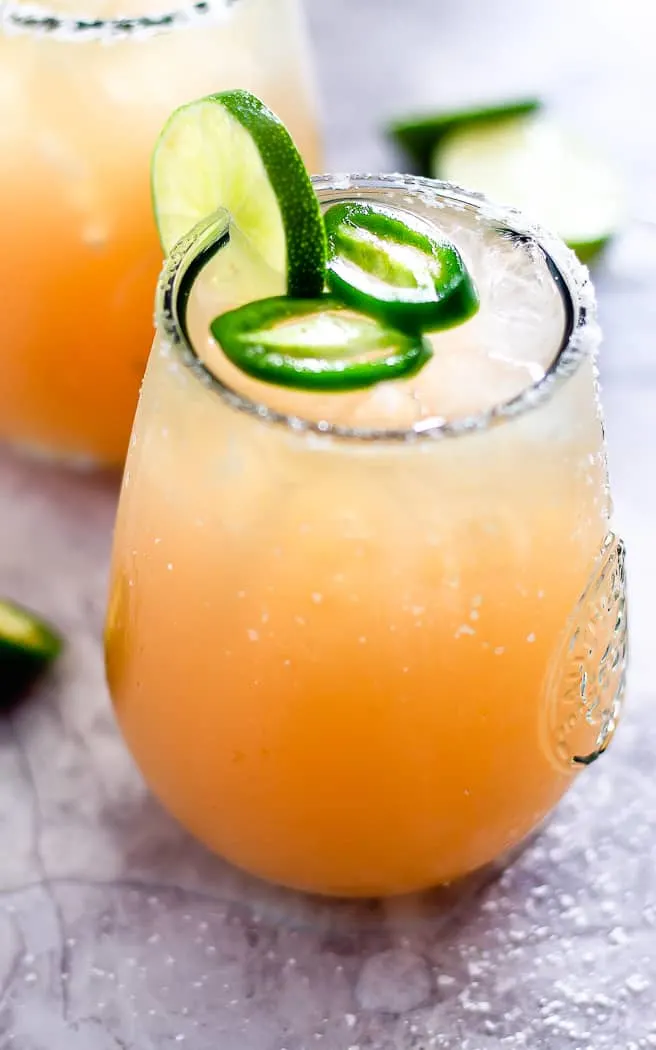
(82, 100)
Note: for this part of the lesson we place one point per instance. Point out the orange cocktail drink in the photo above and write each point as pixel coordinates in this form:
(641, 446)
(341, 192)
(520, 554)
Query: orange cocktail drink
(362, 642)
(81, 102)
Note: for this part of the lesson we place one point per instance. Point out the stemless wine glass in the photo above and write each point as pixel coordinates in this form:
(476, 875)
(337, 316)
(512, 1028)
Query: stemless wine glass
(364, 662)
(82, 99)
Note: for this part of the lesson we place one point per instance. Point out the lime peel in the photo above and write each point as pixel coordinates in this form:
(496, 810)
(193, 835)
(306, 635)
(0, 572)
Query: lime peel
(418, 136)
(230, 151)
(533, 164)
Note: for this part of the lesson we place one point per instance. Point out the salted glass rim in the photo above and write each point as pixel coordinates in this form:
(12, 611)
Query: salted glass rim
(581, 339)
(18, 17)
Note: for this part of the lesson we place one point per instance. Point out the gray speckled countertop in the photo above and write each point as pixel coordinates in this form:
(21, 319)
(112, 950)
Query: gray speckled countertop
(116, 930)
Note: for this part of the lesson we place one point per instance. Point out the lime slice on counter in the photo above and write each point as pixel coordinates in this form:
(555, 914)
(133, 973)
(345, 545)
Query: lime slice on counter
(316, 344)
(27, 646)
(418, 136)
(533, 164)
(396, 271)
(229, 151)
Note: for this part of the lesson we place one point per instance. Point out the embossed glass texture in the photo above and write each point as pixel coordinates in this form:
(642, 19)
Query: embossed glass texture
(366, 662)
(84, 91)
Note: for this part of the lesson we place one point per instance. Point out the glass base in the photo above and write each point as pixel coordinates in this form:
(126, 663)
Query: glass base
(263, 905)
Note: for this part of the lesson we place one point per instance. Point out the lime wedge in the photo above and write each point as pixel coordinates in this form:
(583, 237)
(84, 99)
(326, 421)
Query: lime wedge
(230, 151)
(27, 646)
(395, 270)
(316, 344)
(418, 136)
(533, 164)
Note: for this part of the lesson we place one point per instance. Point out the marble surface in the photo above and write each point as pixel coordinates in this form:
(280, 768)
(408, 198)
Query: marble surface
(117, 932)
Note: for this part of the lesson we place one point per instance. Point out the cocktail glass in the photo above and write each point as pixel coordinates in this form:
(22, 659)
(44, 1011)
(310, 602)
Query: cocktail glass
(354, 648)
(82, 99)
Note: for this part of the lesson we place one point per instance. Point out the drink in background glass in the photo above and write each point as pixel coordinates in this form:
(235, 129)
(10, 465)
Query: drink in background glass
(361, 643)
(83, 95)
